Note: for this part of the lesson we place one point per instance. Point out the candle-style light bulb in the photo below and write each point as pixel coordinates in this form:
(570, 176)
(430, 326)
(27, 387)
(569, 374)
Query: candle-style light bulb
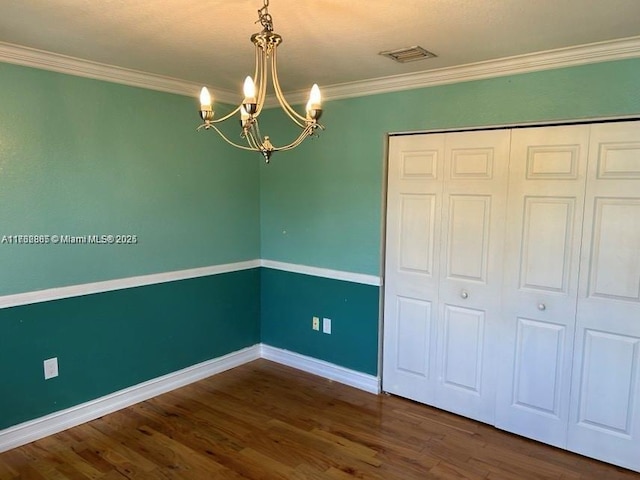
(206, 110)
(315, 97)
(249, 88)
(314, 105)
(205, 98)
(250, 103)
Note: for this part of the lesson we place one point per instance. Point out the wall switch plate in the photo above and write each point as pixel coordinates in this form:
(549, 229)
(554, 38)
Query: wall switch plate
(51, 368)
(326, 325)
(316, 323)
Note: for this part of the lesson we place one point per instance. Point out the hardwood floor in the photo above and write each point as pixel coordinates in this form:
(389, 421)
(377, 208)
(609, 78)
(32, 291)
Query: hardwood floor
(266, 421)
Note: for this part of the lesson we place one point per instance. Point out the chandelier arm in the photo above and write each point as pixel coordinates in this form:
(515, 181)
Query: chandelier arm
(257, 146)
(257, 66)
(233, 143)
(301, 138)
(261, 57)
(257, 74)
(252, 141)
(291, 113)
(295, 116)
(229, 115)
(306, 132)
(253, 135)
(258, 133)
(261, 147)
(256, 139)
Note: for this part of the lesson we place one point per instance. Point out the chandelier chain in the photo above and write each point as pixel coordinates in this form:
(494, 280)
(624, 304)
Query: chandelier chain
(264, 17)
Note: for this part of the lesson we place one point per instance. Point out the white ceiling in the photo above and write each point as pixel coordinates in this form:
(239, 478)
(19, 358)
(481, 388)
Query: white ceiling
(327, 42)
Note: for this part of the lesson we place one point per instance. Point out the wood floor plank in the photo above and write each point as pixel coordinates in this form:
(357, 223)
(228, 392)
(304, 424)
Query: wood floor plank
(264, 421)
(124, 459)
(20, 465)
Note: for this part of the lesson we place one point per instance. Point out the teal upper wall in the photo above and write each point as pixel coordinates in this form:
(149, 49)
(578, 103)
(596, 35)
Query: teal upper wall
(81, 156)
(321, 204)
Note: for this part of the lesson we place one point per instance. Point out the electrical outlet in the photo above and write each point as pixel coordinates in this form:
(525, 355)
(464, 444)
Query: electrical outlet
(316, 323)
(51, 368)
(326, 325)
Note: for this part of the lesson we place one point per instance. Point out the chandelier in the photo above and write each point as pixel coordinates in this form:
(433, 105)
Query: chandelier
(255, 90)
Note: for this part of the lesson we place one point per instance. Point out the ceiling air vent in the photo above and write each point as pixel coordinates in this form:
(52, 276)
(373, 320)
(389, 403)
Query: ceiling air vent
(408, 54)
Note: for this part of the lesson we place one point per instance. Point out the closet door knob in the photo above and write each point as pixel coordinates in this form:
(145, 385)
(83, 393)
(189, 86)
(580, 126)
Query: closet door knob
(464, 294)
(542, 306)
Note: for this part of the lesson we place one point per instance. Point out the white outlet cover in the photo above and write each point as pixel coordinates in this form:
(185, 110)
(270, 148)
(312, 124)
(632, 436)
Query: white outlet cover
(326, 325)
(51, 368)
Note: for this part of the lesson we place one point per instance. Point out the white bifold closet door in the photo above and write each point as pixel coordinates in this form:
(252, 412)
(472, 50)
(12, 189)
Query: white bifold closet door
(546, 197)
(412, 266)
(512, 281)
(604, 417)
(446, 202)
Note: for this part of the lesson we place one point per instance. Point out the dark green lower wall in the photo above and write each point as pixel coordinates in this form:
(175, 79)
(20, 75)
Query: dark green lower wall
(109, 341)
(289, 301)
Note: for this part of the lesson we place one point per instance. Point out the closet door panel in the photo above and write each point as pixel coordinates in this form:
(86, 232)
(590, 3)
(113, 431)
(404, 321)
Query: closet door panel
(474, 199)
(605, 406)
(412, 268)
(463, 345)
(606, 399)
(614, 266)
(541, 261)
(542, 344)
(548, 227)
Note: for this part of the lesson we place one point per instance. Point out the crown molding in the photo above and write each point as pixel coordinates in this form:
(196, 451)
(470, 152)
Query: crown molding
(31, 57)
(564, 57)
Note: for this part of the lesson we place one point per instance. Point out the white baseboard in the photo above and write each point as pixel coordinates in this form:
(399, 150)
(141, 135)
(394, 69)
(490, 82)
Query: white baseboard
(56, 422)
(33, 430)
(362, 381)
